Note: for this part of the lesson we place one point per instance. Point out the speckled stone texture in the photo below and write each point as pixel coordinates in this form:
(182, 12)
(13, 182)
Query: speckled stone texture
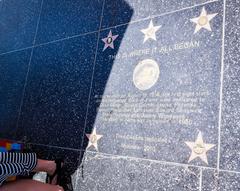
(151, 99)
(114, 173)
(58, 86)
(18, 21)
(220, 181)
(121, 11)
(61, 19)
(1, 4)
(13, 69)
(181, 71)
(230, 131)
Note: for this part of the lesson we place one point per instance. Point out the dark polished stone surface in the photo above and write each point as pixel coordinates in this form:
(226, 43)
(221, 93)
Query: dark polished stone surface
(113, 173)
(189, 77)
(13, 69)
(212, 180)
(58, 86)
(72, 18)
(120, 11)
(163, 6)
(18, 22)
(1, 6)
(72, 158)
(230, 130)
(151, 95)
(42, 151)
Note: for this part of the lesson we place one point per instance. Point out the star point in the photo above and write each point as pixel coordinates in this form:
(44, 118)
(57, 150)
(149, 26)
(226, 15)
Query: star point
(108, 41)
(199, 149)
(150, 32)
(203, 21)
(93, 139)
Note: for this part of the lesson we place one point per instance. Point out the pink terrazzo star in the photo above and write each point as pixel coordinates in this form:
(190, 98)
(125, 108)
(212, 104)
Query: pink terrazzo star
(108, 41)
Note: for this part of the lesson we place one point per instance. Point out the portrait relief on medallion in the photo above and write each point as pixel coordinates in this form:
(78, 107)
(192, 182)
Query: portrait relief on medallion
(146, 74)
